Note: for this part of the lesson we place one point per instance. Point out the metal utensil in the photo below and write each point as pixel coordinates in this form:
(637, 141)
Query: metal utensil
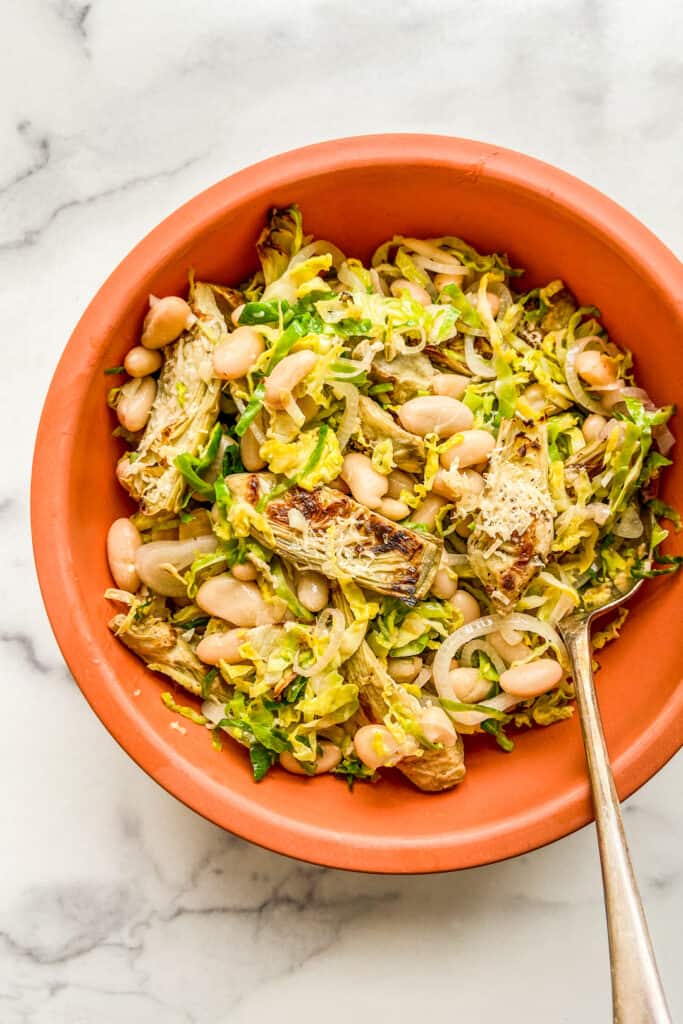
(637, 993)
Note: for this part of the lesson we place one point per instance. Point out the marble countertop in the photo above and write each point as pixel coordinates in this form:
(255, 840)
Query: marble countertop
(117, 903)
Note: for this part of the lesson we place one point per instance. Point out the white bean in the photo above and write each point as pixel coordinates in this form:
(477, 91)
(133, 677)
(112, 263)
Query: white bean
(235, 356)
(393, 509)
(244, 571)
(443, 585)
(437, 727)
(239, 603)
(375, 746)
(415, 291)
(151, 558)
(398, 483)
(286, 376)
(494, 303)
(468, 685)
(366, 484)
(475, 447)
(511, 652)
(135, 403)
(166, 320)
(329, 759)
(594, 427)
(404, 670)
(313, 591)
(467, 481)
(467, 605)
(531, 680)
(596, 368)
(451, 384)
(427, 512)
(435, 414)
(123, 540)
(223, 646)
(140, 361)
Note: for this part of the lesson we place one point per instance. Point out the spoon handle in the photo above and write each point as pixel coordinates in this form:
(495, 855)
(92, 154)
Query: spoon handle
(637, 993)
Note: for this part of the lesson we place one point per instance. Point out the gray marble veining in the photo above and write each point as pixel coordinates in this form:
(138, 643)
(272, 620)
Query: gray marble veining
(117, 903)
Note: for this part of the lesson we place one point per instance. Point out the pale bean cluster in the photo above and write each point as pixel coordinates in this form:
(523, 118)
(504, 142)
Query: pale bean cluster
(165, 321)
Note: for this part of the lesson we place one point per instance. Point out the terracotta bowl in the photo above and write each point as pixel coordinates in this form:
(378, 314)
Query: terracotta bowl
(358, 192)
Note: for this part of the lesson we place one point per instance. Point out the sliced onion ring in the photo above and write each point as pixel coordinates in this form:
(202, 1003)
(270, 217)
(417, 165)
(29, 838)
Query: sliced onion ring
(483, 627)
(350, 420)
(336, 630)
(476, 364)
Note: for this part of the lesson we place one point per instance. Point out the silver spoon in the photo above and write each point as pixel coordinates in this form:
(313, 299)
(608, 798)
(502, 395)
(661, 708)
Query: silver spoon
(637, 993)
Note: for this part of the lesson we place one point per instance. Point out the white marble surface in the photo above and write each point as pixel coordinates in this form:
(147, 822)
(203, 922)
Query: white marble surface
(117, 903)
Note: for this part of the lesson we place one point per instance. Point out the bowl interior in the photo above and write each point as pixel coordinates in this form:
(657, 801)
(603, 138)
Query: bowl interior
(550, 225)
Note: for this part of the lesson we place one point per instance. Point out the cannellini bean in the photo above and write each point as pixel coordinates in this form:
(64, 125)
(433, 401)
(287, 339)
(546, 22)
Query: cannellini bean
(123, 540)
(443, 585)
(393, 509)
(223, 646)
(415, 291)
(313, 591)
(467, 605)
(244, 571)
(250, 447)
(151, 559)
(398, 482)
(437, 727)
(467, 481)
(596, 368)
(594, 427)
(236, 314)
(199, 525)
(468, 685)
(235, 356)
(475, 447)
(166, 320)
(328, 759)
(375, 746)
(494, 303)
(427, 512)
(441, 280)
(404, 670)
(366, 484)
(285, 377)
(135, 403)
(435, 414)
(239, 603)
(531, 680)
(451, 384)
(509, 651)
(140, 361)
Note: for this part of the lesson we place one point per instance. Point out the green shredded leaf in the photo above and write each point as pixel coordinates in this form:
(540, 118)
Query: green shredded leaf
(183, 709)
